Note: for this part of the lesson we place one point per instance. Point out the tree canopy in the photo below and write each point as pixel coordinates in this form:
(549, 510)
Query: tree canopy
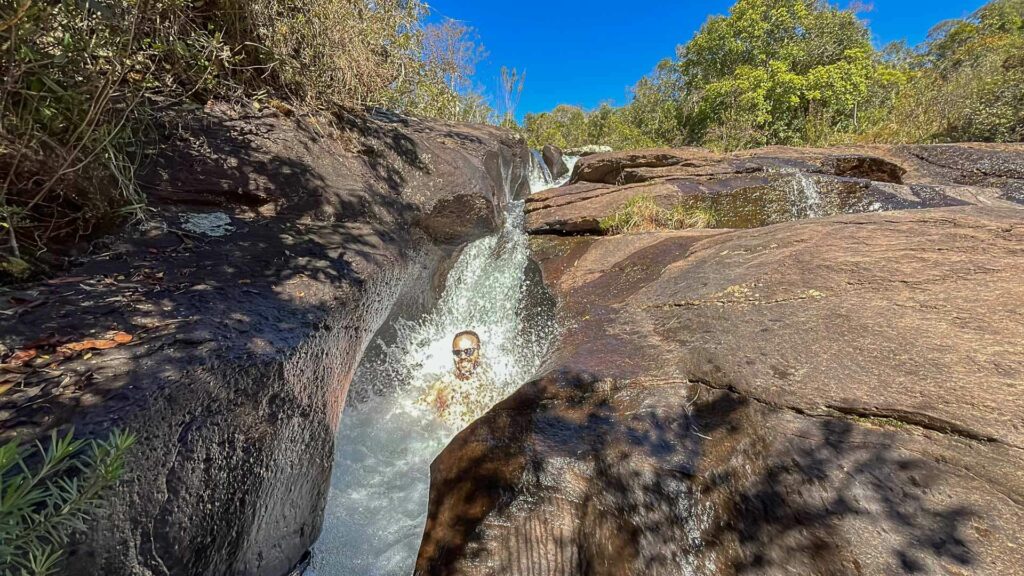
(805, 72)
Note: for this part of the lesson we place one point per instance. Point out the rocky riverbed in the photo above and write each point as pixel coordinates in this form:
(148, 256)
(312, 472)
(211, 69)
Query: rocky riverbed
(831, 381)
(826, 379)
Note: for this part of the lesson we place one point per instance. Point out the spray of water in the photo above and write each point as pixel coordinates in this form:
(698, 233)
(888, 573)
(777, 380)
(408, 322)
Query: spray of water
(805, 198)
(540, 176)
(378, 498)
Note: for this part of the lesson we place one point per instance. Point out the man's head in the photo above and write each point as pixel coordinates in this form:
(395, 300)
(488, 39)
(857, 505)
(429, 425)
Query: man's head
(466, 349)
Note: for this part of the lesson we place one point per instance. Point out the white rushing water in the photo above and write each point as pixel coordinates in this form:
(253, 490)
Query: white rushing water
(540, 176)
(806, 199)
(377, 504)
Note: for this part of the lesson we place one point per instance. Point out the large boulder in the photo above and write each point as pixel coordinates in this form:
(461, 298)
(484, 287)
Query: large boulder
(276, 249)
(829, 396)
(553, 160)
(606, 168)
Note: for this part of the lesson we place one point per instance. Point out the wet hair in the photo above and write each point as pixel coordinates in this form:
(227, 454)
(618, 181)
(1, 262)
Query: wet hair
(469, 333)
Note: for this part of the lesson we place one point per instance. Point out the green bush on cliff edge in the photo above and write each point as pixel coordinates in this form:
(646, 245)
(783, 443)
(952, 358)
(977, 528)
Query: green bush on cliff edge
(43, 499)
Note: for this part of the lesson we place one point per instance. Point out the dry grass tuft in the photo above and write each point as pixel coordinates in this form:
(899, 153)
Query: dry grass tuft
(642, 214)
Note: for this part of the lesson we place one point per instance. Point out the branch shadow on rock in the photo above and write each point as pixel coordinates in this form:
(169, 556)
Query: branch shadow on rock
(242, 343)
(569, 476)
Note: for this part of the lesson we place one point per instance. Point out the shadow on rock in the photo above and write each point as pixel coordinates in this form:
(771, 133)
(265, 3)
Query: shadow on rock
(575, 475)
(276, 249)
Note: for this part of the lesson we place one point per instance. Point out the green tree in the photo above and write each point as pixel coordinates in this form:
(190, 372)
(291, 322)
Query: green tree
(779, 72)
(965, 83)
(976, 70)
(565, 127)
(655, 113)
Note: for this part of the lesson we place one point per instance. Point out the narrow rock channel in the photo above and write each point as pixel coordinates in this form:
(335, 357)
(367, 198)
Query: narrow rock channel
(378, 496)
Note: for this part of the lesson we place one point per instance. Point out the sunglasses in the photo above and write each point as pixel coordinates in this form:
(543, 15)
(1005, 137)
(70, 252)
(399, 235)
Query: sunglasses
(464, 353)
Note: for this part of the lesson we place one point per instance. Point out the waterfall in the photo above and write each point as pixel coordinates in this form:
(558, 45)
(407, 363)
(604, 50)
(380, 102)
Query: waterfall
(540, 176)
(806, 197)
(378, 496)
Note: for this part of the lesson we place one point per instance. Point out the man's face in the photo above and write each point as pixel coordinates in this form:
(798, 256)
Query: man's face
(466, 350)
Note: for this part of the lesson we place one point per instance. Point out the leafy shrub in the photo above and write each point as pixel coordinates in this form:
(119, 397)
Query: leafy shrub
(968, 84)
(43, 500)
(642, 214)
(66, 101)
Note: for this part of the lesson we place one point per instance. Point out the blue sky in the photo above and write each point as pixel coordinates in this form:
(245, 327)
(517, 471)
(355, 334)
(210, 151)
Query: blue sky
(588, 52)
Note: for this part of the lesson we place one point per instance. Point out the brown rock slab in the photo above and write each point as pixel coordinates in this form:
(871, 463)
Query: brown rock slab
(607, 167)
(552, 156)
(864, 166)
(829, 396)
(778, 184)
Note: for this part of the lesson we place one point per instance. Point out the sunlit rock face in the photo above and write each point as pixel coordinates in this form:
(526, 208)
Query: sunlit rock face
(824, 387)
(246, 341)
(779, 184)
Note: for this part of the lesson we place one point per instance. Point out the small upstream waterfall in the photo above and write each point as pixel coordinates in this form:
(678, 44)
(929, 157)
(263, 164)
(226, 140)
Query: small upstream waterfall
(540, 176)
(378, 496)
(806, 199)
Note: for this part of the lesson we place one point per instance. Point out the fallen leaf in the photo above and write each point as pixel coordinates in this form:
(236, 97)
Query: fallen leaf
(8, 377)
(97, 344)
(15, 368)
(115, 339)
(21, 356)
(6, 387)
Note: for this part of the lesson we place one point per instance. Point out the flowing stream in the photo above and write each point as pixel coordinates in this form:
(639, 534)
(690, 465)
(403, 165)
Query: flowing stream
(540, 176)
(806, 198)
(377, 503)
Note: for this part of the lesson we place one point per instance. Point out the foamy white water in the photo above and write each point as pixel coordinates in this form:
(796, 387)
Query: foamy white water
(540, 176)
(377, 504)
(806, 198)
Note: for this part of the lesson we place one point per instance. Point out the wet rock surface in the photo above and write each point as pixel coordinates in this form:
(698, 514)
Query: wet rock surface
(778, 184)
(553, 159)
(277, 248)
(836, 395)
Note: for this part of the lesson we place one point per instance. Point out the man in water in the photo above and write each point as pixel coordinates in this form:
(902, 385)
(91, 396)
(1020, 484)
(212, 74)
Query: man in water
(466, 349)
(461, 396)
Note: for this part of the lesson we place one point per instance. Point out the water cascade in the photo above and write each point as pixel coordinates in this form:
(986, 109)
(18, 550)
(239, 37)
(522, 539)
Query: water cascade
(378, 496)
(805, 198)
(540, 176)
